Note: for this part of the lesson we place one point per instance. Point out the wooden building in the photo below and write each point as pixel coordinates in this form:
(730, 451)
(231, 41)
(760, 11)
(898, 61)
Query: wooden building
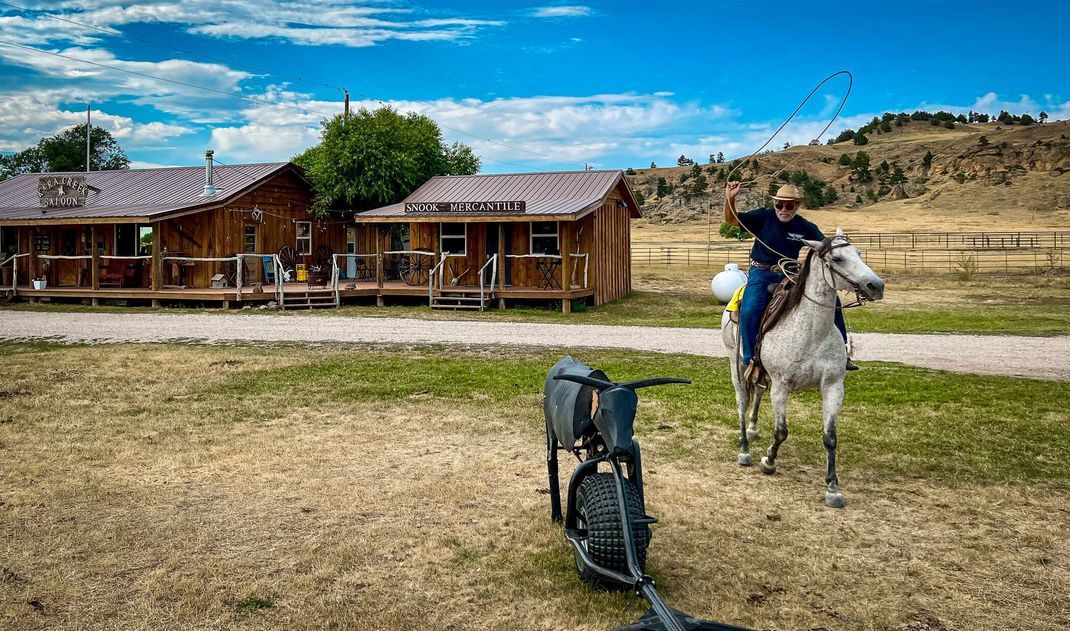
(520, 236)
(166, 233)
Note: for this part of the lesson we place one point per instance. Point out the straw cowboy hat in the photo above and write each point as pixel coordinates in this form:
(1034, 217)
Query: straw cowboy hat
(788, 192)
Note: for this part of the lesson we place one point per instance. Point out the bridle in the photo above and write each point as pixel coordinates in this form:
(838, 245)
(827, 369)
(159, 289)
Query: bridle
(826, 248)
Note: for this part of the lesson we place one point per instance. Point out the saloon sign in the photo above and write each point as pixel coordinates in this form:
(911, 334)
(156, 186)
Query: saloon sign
(465, 207)
(62, 191)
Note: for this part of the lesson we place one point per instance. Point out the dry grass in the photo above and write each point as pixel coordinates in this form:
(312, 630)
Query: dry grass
(207, 487)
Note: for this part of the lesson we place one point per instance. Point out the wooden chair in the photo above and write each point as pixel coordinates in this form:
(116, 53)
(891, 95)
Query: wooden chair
(269, 270)
(113, 273)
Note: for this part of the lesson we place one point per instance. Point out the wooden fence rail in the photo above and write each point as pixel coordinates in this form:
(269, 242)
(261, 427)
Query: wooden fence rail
(944, 261)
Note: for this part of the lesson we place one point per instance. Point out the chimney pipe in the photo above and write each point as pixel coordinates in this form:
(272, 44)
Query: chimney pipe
(209, 186)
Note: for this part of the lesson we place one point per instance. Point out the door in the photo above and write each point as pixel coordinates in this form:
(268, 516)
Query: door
(351, 248)
(490, 249)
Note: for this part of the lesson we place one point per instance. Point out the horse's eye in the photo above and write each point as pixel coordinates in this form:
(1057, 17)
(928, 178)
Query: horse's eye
(837, 259)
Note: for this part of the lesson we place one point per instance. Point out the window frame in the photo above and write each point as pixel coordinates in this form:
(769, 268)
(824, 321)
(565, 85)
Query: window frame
(556, 236)
(442, 236)
(298, 238)
(245, 238)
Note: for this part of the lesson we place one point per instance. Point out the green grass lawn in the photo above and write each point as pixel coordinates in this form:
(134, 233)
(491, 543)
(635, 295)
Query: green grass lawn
(252, 487)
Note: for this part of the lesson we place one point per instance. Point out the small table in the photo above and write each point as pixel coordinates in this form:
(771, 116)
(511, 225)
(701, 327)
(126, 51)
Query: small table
(548, 269)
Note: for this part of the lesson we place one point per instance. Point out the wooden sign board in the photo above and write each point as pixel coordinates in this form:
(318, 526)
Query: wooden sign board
(62, 191)
(466, 207)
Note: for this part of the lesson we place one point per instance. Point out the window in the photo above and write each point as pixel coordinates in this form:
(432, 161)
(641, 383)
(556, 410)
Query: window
(453, 238)
(249, 240)
(544, 238)
(144, 240)
(133, 239)
(304, 237)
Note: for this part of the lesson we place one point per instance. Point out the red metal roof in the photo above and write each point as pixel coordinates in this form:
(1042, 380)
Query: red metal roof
(550, 193)
(136, 192)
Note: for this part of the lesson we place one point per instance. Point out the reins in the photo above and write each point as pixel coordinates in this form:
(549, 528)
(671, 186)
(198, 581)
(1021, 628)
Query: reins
(827, 247)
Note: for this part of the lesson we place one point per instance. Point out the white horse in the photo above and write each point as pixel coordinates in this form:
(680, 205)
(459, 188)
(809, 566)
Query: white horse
(804, 350)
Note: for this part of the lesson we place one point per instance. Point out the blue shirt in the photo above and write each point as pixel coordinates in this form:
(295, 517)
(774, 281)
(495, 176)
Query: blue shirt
(785, 238)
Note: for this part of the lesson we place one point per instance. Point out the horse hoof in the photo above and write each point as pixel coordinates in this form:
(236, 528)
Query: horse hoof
(767, 469)
(753, 434)
(835, 500)
(744, 460)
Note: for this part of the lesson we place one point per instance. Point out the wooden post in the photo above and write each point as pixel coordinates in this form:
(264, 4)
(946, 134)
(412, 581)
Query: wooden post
(378, 266)
(501, 266)
(566, 266)
(32, 267)
(94, 273)
(157, 258)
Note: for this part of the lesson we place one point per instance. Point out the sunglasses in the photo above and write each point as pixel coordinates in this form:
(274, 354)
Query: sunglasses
(785, 205)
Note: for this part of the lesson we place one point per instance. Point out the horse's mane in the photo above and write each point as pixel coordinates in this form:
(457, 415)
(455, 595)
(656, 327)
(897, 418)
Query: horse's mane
(795, 294)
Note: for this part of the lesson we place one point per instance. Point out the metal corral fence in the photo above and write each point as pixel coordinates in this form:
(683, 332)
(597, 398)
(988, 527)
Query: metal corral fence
(961, 240)
(939, 261)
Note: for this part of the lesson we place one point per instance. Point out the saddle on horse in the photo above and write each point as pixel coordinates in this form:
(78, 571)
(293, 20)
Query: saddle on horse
(774, 309)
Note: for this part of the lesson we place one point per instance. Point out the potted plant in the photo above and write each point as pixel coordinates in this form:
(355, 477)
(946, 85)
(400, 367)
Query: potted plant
(40, 282)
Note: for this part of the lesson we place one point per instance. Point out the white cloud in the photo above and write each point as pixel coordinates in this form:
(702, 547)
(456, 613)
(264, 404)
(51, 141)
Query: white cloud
(311, 23)
(28, 117)
(563, 11)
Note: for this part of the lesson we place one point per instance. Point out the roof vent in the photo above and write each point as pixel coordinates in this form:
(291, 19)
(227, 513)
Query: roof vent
(209, 186)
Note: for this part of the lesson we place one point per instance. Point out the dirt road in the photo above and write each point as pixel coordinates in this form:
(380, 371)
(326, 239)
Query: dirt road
(1033, 357)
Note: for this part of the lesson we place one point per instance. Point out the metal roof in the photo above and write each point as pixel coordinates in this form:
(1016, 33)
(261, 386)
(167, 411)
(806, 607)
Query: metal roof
(550, 193)
(136, 192)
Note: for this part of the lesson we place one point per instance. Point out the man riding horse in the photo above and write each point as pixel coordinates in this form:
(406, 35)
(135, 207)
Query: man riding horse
(780, 232)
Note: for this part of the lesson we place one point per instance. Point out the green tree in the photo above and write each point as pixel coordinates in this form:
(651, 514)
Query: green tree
(860, 139)
(639, 198)
(683, 161)
(845, 160)
(860, 167)
(720, 157)
(927, 159)
(663, 187)
(728, 231)
(653, 165)
(830, 194)
(1027, 119)
(66, 152)
(1043, 117)
(374, 158)
(630, 171)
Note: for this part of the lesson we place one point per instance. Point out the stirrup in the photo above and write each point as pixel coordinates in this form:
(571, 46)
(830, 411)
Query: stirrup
(852, 366)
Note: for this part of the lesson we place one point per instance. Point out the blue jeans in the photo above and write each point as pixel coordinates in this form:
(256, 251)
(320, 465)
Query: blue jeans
(753, 305)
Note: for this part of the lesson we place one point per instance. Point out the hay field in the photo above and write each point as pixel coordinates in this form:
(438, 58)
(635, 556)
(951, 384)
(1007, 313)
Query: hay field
(151, 487)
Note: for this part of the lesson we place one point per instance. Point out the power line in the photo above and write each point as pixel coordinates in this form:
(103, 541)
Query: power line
(114, 32)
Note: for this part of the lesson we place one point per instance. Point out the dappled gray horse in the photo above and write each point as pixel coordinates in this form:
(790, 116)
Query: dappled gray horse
(804, 350)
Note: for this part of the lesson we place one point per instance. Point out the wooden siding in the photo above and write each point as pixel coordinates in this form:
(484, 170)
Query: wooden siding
(285, 199)
(611, 257)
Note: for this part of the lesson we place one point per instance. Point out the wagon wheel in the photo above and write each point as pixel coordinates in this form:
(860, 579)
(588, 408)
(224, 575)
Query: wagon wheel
(288, 259)
(231, 272)
(414, 269)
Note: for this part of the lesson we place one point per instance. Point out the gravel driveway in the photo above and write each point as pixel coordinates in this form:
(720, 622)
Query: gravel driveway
(1034, 357)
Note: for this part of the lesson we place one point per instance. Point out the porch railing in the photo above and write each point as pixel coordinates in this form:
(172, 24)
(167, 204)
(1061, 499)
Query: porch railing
(431, 279)
(493, 262)
(336, 271)
(14, 260)
(572, 268)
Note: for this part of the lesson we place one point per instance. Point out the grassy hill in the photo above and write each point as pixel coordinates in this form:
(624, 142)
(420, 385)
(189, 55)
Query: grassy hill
(982, 176)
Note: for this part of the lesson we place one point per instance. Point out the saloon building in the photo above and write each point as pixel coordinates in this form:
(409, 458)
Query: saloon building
(208, 234)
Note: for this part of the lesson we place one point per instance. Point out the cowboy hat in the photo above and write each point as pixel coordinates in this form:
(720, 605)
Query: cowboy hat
(788, 192)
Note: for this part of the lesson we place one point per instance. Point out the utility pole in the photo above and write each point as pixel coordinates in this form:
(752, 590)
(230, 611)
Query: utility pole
(346, 116)
(88, 130)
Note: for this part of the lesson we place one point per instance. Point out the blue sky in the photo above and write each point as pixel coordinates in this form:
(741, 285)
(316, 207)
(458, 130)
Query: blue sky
(530, 85)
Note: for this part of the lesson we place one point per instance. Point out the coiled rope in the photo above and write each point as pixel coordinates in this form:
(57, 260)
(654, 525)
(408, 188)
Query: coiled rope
(843, 102)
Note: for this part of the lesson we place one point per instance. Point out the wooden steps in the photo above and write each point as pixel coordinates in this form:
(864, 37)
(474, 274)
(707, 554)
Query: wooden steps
(460, 298)
(309, 299)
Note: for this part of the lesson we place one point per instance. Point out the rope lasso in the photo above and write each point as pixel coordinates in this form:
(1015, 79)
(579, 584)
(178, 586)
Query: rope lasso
(799, 107)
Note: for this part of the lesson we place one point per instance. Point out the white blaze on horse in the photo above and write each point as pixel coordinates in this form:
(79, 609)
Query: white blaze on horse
(804, 350)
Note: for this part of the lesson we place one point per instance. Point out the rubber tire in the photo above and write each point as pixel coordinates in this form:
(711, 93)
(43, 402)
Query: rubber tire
(596, 505)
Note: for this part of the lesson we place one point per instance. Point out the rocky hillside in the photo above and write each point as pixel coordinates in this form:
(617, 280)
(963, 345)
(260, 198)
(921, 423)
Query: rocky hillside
(983, 168)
